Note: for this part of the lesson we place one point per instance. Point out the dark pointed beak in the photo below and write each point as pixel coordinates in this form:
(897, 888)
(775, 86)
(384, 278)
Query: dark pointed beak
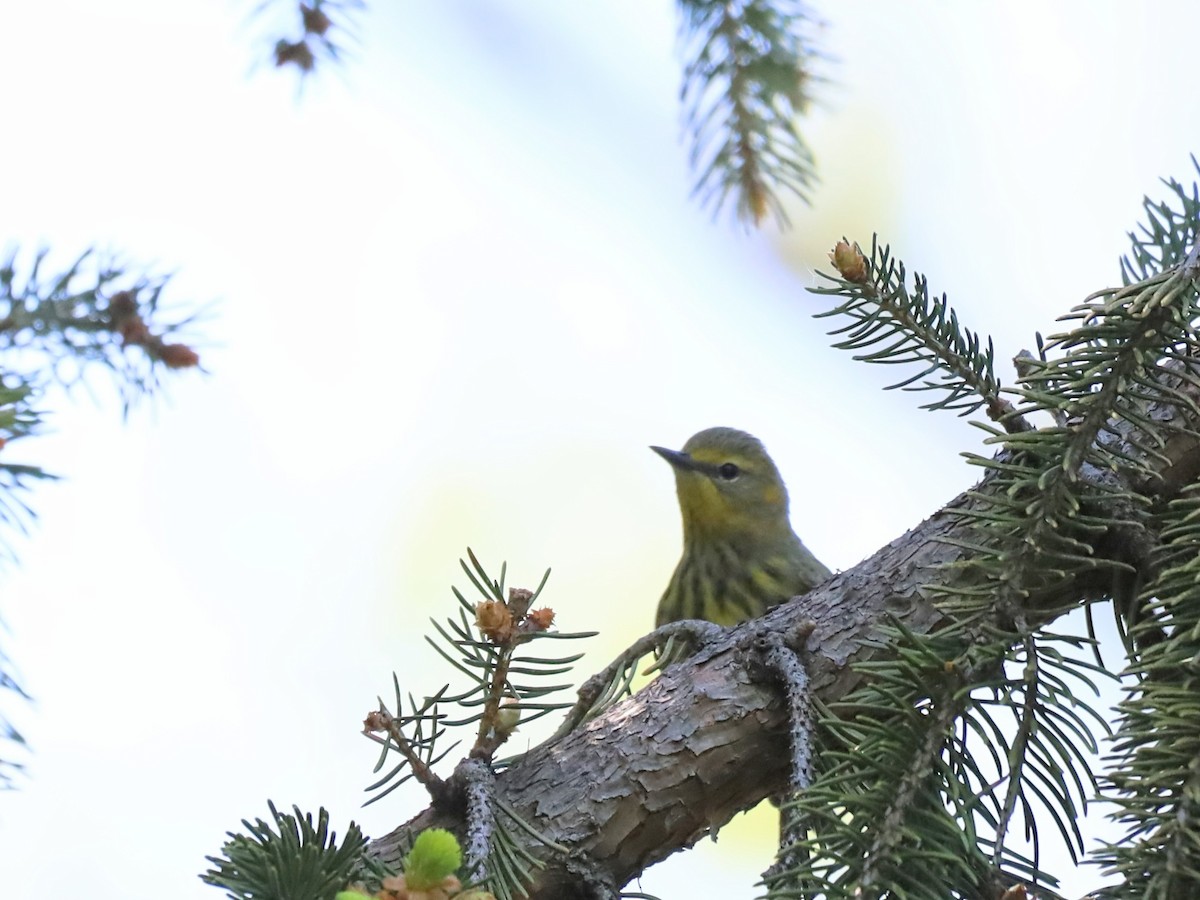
(677, 458)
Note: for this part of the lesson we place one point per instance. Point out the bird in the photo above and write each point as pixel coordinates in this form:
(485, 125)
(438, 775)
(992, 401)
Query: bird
(740, 554)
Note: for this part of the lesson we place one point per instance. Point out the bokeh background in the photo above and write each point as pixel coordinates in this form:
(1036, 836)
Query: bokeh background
(458, 286)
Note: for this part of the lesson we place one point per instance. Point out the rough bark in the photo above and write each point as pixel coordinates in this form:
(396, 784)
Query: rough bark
(707, 739)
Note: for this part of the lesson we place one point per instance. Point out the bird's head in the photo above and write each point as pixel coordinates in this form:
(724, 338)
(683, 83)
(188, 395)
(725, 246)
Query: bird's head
(727, 485)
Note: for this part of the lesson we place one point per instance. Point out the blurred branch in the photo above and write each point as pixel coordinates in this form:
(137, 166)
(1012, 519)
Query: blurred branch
(17, 419)
(748, 79)
(53, 328)
(323, 25)
(88, 314)
(12, 742)
(746, 84)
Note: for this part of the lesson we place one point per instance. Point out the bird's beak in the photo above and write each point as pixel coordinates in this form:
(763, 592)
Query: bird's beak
(677, 458)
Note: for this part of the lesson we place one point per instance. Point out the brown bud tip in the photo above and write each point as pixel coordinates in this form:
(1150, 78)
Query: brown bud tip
(393, 888)
(179, 356)
(315, 21)
(758, 203)
(122, 304)
(494, 620)
(376, 720)
(518, 601)
(849, 262)
(298, 53)
(542, 618)
(133, 330)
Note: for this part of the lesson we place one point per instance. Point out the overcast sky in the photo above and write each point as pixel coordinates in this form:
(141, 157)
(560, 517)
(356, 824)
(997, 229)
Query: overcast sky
(456, 288)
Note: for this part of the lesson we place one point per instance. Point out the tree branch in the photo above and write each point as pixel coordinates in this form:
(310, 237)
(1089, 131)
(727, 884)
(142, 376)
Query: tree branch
(673, 763)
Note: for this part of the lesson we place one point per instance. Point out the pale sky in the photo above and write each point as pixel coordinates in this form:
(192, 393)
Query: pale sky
(457, 287)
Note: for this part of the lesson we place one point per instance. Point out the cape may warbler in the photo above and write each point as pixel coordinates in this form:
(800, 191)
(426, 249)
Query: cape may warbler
(740, 555)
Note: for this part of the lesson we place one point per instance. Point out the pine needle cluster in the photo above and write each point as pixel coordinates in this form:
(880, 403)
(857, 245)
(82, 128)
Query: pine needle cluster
(747, 83)
(56, 327)
(490, 642)
(938, 776)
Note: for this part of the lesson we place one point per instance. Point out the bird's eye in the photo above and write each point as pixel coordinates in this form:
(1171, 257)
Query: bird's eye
(729, 471)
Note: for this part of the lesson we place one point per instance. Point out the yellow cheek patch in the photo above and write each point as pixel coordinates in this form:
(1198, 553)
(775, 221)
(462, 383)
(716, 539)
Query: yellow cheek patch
(702, 501)
(772, 495)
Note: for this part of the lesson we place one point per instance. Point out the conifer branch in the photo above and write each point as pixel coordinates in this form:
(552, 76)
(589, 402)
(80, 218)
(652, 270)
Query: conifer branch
(416, 751)
(88, 315)
(889, 833)
(323, 25)
(902, 326)
(56, 327)
(489, 643)
(939, 613)
(289, 857)
(746, 84)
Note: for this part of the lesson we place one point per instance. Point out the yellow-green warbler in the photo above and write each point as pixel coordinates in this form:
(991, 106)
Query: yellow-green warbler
(740, 555)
